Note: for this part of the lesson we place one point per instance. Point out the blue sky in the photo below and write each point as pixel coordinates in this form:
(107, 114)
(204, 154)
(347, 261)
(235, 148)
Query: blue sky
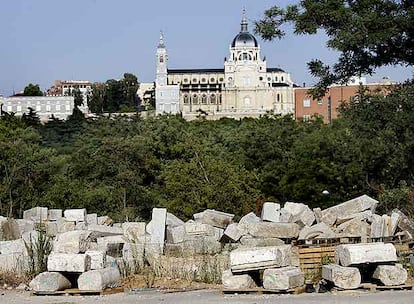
(45, 40)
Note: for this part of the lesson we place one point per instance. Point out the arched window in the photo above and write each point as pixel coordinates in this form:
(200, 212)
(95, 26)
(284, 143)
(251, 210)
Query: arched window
(186, 99)
(283, 79)
(204, 99)
(276, 79)
(195, 99)
(245, 57)
(278, 97)
(212, 98)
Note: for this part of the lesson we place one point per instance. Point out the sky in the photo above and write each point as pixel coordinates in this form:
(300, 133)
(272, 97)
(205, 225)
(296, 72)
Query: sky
(45, 40)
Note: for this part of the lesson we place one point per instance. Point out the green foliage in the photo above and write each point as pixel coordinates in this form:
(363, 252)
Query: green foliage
(32, 90)
(367, 34)
(38, 249)
(123, 167)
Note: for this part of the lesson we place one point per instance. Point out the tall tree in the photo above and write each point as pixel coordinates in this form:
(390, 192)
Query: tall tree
(368, 34)
(32, 90)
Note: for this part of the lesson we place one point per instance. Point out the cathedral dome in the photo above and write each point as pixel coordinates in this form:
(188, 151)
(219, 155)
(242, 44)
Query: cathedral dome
(244, 39)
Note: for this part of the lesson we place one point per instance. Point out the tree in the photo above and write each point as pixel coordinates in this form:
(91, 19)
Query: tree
(368, 34)
(32, 90)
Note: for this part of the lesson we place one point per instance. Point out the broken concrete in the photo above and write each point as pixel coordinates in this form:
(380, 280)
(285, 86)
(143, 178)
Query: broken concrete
(315, 231)
(284, 278)
(271, 212)
(241, 281)
(65, 262)
(274, 230)
(214, 218)
(50, 281)
(391, 275)
(245, 259)
(75, 215)
(342, 277)
(354, 254)
(99, 279)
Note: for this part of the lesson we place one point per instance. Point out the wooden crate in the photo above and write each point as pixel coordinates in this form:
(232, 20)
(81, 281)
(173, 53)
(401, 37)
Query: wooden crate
(311, 258)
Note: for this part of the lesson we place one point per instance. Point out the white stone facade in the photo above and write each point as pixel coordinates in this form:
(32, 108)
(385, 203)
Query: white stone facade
(246, 87)
(45, 106)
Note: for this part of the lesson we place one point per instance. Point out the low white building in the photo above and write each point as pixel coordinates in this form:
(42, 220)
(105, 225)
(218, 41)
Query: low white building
(45, 106)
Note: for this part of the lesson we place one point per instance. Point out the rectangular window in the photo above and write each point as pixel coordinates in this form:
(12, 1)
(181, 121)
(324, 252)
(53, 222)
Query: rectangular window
(306, 117)
(306, 103)
(67, 107)
(19, 108)
(47, 108)
(57, 107)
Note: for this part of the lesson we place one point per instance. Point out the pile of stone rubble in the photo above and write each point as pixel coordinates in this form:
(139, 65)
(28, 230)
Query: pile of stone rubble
(89, 247)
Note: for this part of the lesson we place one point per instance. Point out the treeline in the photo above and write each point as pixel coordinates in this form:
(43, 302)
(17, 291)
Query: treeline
(124, 167)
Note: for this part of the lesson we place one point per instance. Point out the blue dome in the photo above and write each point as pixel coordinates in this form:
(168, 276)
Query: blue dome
(244, 39)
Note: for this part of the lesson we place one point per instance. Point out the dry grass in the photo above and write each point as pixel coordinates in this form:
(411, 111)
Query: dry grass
(13, 279)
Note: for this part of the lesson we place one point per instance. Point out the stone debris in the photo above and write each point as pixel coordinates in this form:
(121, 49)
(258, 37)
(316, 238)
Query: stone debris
(159, 218)
(233, 232)
(54, 214)
(133, 230)
(98, 280)
(173, 221)
(50, 281)
(72, 242)
(355, 254)
(274, 230)
(297, 213)
(284, 278)
(238, 281)
(320, 230)
(98, 259)
(271, 212)
(391, 275)
(342, 277)
(250, 241)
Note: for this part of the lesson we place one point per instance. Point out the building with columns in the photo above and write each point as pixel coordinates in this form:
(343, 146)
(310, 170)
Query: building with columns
(245, 87)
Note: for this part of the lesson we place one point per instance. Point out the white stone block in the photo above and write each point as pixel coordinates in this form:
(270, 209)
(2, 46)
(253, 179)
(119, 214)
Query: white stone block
(342, 277)
(284, 278)
(12, 247)
(132, 230)
(271, 212)
(65, 262)
(104, 243)
(241, 281)
(214, 218)
(103, 230)
(98, 259)
(99, 280)
(315, 231)
(65, 226)
(159, 218)
(72, 242)
(173, 221)
(92, 219)
(391, 275)
(274, 230)
(50, 281)
(75, 215)
(36, 214)
(354, 254)
(250, 218)
(245, 259)
(233, 232)
(54, 214)
(250, 241)
(176, 234)
(104, 220)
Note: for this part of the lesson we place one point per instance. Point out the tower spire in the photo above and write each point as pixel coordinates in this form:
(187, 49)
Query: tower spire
(161, 43)
(244, 23)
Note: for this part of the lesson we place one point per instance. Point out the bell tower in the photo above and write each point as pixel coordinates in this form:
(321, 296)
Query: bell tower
(162, 62)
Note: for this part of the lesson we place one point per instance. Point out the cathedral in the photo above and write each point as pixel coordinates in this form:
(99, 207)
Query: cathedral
(245, 87)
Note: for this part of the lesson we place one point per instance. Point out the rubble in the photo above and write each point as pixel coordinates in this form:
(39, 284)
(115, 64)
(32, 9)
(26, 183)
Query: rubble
(72, 242)
(297, 213)
(391, 275)
(50, 281)
(320, 230)
(98, 280)
(240, 281)
(214, 218)
(354, 254)
(233, 232)
(98, 259)
(284, 278)
(342, 277)
(173, 221)
(159, 218)
(250, 241)
(54, 214)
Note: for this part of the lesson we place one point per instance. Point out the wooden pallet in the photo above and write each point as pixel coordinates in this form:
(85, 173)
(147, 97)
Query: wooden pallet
(374, 288)
(312, 258)
(75, 292)
(260, 290)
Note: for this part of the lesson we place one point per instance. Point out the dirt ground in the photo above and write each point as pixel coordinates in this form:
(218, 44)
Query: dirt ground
(214, 296)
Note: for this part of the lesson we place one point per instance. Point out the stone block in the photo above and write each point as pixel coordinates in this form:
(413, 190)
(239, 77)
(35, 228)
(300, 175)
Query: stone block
(353, 228)
(25, 226)
(132, 230)
(99, 280)
(377, 226)
(72, 242)
(13, 247)
(103, 230)
(391, 275)
(199, 229)
(274, 230)
(284, 278)
(298, 213)
(233, 232)
(342, 277)
(75, 215)
(271, 212)
(246, 259)
(36, 214)
(65, 226)
(92, 219)
(352, 206)
(195, 245)
(112, 245)
(98, 259)
(104, 220)
(404, 223)
(81, 226)
(52, 228)
(176, 234)
(250, 218)
(318, 215)
(159, 218)
(50, 281)
(66, 262)
(354, 254)
(134, 252)
(394, 221)
(15, 262)
(316, 231)
(214, 218)
(250, 241)
(362, 216)
(54, 214)
(173, 221)
(9, 230)
(240, 281)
